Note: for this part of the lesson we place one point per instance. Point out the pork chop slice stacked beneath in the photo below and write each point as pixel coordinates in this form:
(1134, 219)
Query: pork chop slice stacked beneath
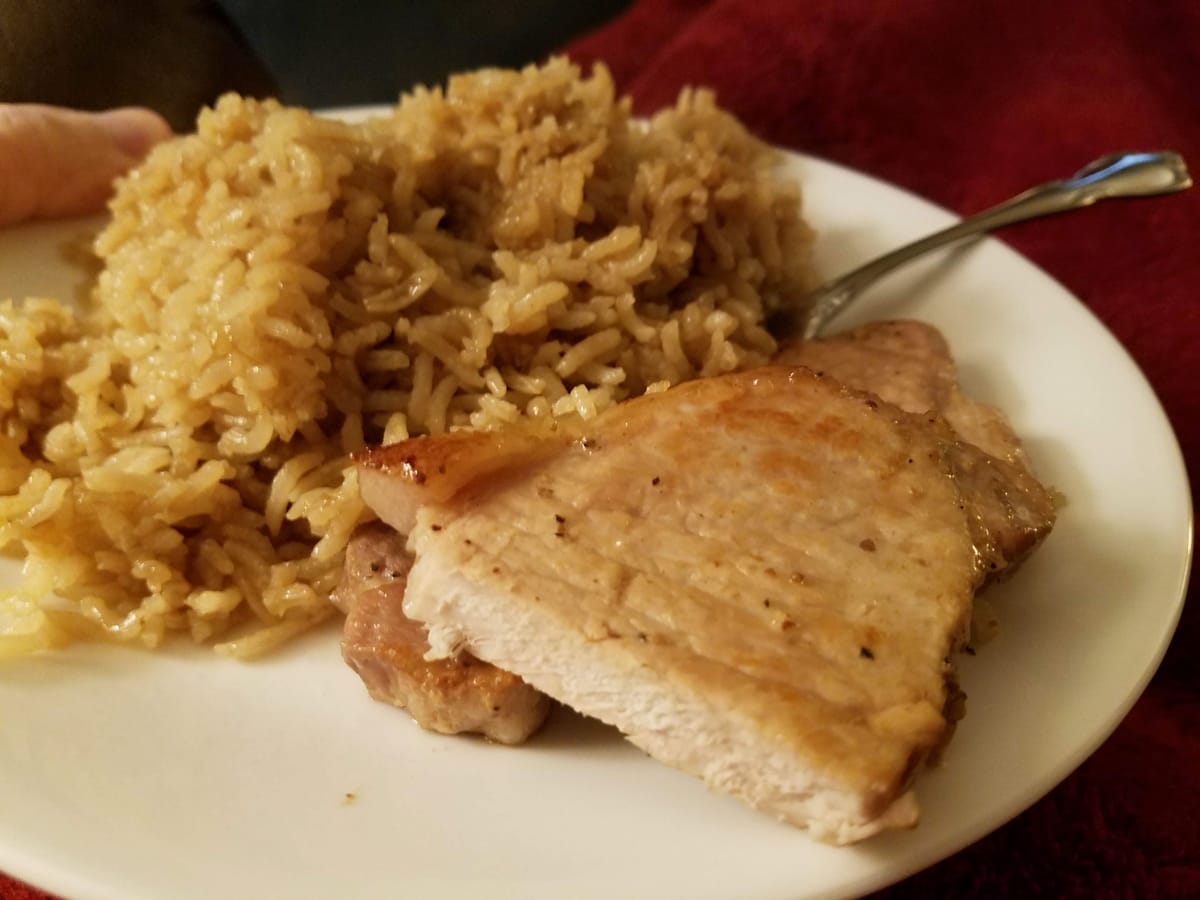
(908, 364)
(387, 649)
(760, 579)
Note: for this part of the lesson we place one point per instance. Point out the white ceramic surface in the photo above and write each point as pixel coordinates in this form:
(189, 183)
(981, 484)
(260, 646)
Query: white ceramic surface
(129, 775)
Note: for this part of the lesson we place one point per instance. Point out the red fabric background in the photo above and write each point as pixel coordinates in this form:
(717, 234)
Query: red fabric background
(966, 103)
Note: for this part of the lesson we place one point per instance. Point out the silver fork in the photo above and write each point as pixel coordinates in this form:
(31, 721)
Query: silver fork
(1114, 175)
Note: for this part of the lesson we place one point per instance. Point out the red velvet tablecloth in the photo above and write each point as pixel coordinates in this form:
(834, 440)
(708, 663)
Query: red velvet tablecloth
(966, 103)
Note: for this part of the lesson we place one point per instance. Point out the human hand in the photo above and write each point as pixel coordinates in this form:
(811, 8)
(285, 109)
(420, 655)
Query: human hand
(60, 162)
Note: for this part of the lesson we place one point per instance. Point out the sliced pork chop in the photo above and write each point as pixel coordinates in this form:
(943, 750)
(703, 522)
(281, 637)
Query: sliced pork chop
(761, 578)
(909, 364)
(387, 649)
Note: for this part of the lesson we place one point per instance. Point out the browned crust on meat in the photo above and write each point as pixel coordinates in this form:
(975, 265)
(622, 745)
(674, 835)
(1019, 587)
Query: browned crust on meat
(387, 650)
(396, 478)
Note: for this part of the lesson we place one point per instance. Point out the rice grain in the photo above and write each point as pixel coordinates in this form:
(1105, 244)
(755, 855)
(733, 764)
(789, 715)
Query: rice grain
(279, 290)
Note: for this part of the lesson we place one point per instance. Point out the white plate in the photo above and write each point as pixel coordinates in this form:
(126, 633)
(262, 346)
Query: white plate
(125, 774)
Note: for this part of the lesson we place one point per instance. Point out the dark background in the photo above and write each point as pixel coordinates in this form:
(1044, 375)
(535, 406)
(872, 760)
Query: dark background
(177, 55)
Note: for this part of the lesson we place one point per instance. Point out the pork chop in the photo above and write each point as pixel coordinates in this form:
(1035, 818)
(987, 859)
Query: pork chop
(387, 649)
(760, 579)
(908, 364)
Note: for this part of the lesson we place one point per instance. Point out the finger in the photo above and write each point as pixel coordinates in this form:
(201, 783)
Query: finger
(61, 162)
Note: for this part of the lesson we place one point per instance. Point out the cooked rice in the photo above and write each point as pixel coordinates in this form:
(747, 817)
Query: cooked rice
(280, 289)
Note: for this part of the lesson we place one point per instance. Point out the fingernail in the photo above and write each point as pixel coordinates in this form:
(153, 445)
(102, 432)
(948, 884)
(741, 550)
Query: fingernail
(134, 130)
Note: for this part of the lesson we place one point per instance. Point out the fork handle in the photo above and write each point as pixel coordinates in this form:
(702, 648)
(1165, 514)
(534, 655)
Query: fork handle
(1116, 175)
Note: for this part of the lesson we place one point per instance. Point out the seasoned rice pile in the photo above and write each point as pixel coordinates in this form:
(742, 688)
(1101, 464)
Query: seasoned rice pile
(279, 290)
